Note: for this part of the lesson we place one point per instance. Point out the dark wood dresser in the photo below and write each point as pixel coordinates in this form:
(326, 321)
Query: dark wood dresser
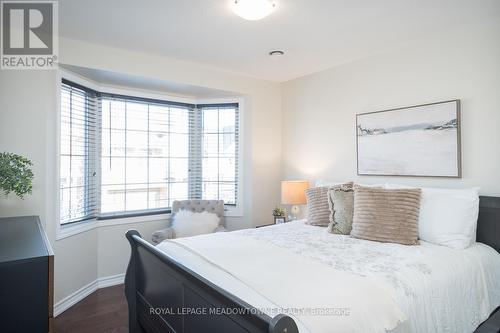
(26, 276)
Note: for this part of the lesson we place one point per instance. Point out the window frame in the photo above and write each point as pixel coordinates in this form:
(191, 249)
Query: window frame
(148, 101)
(70, 228)
(201, 132)
(236, 210)
(88, 184)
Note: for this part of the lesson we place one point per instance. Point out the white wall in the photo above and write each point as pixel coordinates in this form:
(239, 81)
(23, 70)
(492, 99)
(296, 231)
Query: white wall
(319, 110)
(28, 126)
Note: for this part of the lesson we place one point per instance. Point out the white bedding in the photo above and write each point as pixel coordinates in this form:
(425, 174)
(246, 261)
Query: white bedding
(435, 288)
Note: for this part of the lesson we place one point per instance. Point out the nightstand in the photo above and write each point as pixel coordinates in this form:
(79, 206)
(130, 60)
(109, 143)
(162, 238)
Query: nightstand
(265, 225)
(491, 325)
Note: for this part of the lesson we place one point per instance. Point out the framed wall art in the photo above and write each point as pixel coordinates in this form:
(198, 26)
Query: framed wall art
(421, 140)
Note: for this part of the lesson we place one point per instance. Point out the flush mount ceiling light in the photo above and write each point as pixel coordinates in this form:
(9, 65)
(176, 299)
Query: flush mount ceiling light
(276, 53)
(253, 10)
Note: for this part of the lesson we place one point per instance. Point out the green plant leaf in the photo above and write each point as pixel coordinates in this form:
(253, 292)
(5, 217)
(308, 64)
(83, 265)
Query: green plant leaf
(15, 174)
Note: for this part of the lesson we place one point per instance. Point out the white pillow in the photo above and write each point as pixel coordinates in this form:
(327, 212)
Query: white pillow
(329, 183)
(448, 216)
(186, 223)
(370, 185)
(322, 183)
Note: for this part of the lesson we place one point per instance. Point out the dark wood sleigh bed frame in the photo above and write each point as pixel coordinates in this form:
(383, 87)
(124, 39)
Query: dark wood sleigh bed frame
(165, 296)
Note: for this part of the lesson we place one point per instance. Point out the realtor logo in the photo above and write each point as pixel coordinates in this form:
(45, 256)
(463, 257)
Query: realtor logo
(29, 35)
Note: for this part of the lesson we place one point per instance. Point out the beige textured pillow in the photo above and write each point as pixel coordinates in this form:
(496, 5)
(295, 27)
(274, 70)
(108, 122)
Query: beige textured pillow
(386, 215)
(317, 206)
(341, 205)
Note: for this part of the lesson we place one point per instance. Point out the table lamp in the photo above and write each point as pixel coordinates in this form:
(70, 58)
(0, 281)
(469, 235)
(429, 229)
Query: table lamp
(293, 193)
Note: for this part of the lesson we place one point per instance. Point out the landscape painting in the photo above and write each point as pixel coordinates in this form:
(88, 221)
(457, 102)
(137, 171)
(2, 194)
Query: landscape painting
(421, 140)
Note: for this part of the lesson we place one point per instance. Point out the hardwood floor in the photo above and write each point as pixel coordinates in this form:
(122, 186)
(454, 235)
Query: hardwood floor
(104, 311)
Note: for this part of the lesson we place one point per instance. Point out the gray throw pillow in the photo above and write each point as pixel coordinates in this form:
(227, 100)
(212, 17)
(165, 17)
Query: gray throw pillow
(317, 206)
(341, 204)
(386, 215)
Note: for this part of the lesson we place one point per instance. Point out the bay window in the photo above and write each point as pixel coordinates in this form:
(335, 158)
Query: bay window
(124, 156)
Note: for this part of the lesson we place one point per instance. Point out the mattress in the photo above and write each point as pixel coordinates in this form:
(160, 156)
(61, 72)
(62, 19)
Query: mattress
(423, 288)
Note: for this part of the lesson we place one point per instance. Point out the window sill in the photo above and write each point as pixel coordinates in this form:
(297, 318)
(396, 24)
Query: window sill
(65, 231)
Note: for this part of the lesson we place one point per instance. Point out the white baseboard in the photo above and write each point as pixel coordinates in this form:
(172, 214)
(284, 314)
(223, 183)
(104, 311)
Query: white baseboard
(109, 281)
(83, 292)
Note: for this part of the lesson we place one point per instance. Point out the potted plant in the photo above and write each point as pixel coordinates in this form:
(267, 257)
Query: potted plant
(279, 215)
(15, 174)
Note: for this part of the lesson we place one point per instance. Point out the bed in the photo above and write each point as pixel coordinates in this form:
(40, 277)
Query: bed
(298, 278)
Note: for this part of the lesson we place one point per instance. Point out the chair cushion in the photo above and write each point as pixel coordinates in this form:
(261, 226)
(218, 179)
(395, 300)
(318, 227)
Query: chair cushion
(186, 223)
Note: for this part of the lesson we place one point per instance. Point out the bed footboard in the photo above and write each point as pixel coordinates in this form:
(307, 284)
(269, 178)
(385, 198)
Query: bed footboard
(165, 296)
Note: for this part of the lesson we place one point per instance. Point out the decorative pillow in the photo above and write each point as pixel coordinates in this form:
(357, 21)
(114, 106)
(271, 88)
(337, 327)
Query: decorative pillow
(317, 206)
(386, 215)
(448, 216)
(186, 223)
(341, 205)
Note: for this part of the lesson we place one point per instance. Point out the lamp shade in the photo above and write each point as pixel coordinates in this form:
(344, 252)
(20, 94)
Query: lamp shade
(293, 192)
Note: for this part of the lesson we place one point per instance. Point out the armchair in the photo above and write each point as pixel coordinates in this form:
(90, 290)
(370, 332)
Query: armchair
(197, 206)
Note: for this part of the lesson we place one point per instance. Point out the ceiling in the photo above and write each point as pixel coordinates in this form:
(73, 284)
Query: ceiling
(315, 34)
(109, 78)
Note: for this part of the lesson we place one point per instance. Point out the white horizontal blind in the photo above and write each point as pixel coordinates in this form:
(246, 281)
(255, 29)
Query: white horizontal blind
(78, 144)
(217, 164)
(144, 154)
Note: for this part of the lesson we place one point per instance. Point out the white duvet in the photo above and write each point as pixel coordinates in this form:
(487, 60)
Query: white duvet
(374, 287)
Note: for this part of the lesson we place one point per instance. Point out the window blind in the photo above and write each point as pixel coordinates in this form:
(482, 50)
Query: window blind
(144, 154)
(216, 167)
(78, 148)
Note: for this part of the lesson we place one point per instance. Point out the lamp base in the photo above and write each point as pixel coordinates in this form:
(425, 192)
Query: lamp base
(294, 212)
